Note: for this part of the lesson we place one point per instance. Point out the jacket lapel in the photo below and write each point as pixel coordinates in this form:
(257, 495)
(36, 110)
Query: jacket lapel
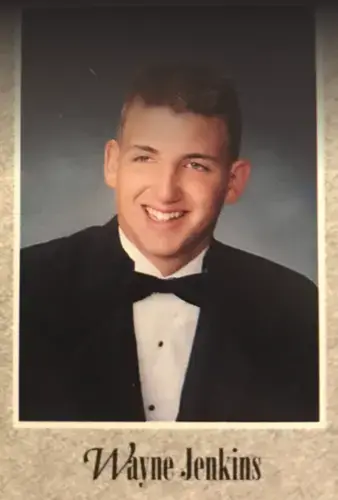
(107, 375)
(218, 375)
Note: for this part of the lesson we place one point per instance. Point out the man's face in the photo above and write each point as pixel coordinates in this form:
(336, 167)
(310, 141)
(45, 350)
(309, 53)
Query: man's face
(171, 176)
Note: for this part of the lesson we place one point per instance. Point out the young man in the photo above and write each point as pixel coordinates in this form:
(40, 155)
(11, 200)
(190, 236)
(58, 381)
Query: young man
(108, 334)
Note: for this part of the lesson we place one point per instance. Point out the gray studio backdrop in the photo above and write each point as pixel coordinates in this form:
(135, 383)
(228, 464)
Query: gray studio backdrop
(76, 65)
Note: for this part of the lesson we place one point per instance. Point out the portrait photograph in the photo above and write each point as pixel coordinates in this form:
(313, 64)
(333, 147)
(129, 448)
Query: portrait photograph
(169, 217)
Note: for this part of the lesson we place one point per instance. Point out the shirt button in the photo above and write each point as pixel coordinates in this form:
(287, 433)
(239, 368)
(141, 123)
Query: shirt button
(151, 407)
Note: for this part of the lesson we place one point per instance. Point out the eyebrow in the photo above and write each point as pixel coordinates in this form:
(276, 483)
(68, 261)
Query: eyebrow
(201, 156)
(148, 149)
(189, 156)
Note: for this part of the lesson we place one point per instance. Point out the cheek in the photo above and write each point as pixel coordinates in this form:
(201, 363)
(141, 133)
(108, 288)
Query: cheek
(208, 195)
(129, 183)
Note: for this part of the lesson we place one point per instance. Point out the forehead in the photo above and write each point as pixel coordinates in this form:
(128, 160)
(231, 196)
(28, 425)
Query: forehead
(162, 127)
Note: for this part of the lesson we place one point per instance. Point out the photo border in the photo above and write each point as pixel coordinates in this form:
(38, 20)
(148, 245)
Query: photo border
(321, 266)
(48, 463)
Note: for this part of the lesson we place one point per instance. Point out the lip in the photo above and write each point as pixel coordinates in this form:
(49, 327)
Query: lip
(162, 223)
(164, 210)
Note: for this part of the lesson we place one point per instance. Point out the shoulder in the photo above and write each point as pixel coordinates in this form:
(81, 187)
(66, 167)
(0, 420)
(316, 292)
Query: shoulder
(258, 277)
(245, 264)
(63, 260)
(59, 250)
(58, 255)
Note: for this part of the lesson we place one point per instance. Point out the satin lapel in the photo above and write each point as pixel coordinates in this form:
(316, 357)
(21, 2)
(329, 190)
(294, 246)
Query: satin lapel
(217, 379)
(106, 375)
(193, 404)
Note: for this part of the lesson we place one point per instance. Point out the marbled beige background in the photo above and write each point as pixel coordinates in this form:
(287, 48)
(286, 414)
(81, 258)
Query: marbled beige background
(44, 464)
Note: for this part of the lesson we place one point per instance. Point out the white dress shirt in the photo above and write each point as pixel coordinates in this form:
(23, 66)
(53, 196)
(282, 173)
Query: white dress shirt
(164, 327)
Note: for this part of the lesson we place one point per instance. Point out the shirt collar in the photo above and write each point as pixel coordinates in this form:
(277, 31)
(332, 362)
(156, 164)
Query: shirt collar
(143, 265)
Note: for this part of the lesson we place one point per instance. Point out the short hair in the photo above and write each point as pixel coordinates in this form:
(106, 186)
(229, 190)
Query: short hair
(190, 88)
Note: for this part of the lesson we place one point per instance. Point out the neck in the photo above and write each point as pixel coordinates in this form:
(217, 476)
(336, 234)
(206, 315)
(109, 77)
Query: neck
(171, 265)
(168, 265)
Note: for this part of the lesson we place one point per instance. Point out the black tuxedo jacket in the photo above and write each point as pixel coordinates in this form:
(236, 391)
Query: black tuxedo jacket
(254, 357)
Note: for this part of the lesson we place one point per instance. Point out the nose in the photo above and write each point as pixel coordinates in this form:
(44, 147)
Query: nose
(167, 187)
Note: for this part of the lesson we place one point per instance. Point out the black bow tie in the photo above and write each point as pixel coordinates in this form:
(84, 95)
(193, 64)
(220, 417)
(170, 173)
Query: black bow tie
(192, 288)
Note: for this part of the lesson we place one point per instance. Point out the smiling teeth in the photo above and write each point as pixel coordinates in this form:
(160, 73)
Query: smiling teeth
(161, 216)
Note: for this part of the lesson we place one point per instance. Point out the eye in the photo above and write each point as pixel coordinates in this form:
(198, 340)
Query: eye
(142, 158)
(198, 166)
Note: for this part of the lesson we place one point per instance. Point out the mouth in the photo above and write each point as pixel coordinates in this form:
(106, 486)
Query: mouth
(159, 216)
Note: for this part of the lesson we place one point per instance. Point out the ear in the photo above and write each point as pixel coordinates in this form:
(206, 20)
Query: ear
(238, 178)
(111, 154)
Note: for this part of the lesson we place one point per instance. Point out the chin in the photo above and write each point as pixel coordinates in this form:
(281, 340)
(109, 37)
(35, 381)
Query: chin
(161, 252)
